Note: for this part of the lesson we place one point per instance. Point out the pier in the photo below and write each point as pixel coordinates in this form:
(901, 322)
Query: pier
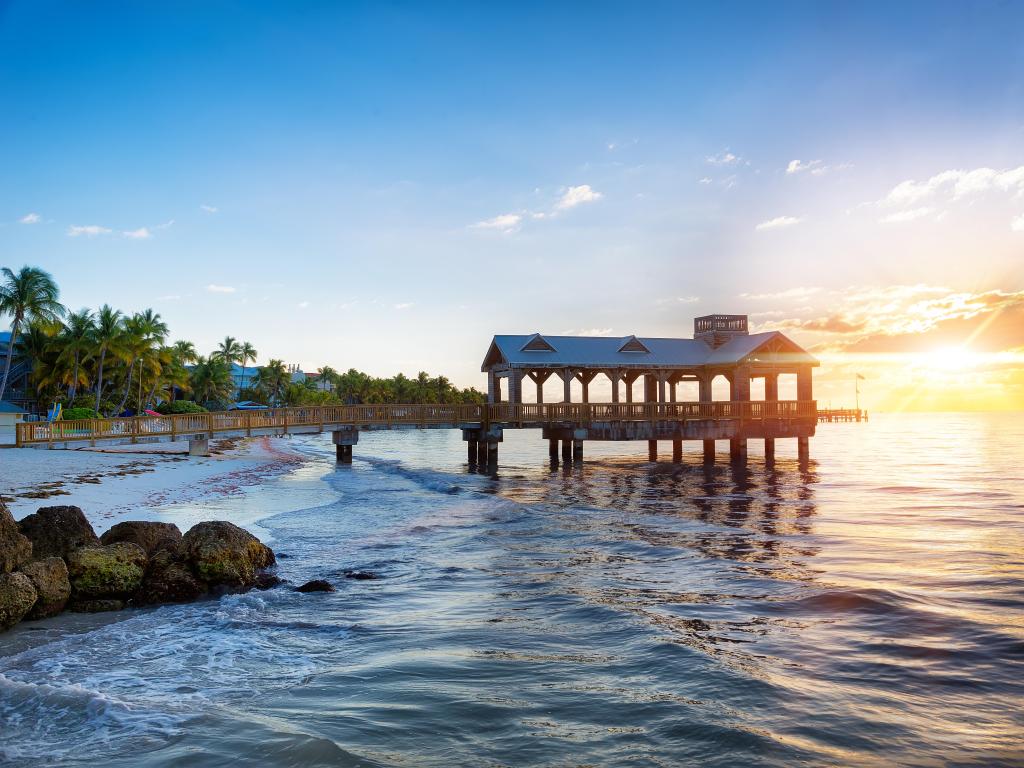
(721, 347)
(842, 414)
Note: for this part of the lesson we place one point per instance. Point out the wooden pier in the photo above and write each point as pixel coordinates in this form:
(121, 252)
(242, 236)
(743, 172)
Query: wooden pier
(842, 414)
(482, 426)
(721, 347)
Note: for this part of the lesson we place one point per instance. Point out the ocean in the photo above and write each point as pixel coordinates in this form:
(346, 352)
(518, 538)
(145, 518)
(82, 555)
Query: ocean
(866, 609)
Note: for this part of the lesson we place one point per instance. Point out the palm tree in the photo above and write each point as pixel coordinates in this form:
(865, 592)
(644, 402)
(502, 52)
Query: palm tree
(29, 294)
(76, 340)
(230, 351)
(211, 380)
(246, 352)
(273, 378)
(106, 334)
(144, 333)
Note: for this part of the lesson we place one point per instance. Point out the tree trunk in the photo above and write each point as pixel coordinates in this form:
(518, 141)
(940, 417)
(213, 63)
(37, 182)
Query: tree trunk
(74, 384)
(127, 388)
(99, 380)
(10, 354)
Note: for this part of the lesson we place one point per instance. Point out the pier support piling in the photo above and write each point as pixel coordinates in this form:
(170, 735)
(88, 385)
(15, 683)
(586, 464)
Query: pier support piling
(481, 453)
(343, 440)
(803, 449)
(199, 446)
(738, 449)
(652, 450)
(709, 451)
(566, 451)
(577, 451)
(677, 451)
(553, 450)
(769, 450)
(471, 451)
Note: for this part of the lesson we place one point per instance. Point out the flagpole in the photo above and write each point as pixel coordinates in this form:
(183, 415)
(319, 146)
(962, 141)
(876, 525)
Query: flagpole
(856, 389)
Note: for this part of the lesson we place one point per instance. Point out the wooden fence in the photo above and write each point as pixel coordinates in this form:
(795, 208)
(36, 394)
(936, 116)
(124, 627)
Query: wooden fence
(281, 420)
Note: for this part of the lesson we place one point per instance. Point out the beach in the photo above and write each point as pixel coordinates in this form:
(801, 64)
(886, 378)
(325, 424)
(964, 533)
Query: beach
(136, 482)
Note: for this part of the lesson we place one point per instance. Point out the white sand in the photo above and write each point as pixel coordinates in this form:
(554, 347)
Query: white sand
(134, 482)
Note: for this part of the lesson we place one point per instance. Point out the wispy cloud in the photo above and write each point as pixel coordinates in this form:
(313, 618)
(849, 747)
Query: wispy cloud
(574, 196)
(506, 222)
(723, 158)
(214, 288)
(30, 218)
(798, 292)
(587, 332)
(704, 180)
(404, 305)
(169, 297)
(1017, 225)
(142, 233)
(89, 230)
(303, 305)
(779, 222)
(208, 208)
(903, 216)
(814, 167)
(165, 225)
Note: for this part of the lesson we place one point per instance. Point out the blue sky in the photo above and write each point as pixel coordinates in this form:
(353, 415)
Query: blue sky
(387, 185)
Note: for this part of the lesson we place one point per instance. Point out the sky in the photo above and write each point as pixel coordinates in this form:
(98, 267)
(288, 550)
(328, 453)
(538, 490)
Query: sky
(387, 185)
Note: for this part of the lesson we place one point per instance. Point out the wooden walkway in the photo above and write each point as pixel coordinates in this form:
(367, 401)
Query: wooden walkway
(608, 417)
(842, 414)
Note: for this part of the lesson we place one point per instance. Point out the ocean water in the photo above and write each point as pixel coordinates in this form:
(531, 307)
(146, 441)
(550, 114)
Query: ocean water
(867, 609)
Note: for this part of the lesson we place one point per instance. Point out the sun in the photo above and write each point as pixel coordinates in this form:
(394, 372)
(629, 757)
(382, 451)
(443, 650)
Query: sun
(951, 358)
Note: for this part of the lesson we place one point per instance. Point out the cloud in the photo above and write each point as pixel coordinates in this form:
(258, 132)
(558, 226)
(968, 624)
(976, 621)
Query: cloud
(814, 167)
(723, 158)
(31, 218)
(505, 223)
(704, 180)
(779, 222)
(165, 225)
(208, 208)
(142, 233)
(797, 166)
(956, 184)
(404, 305)
(302, 305)
(1017, 225)
(89, 230)
(214, 288)
(903, 216)
(799, 292)
(587, 332)
(577, 196)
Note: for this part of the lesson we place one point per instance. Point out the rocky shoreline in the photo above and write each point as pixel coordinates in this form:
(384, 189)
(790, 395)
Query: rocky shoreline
(52, 561)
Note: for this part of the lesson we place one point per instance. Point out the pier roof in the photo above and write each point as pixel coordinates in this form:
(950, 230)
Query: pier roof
(542, 351)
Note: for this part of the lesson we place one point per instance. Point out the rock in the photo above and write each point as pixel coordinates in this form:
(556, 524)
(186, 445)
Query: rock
(111, 571)
(15, 548)
(17, 596)
(316, 585)
(222, 554)
(151, 536)
(50, 579)
(360, 575)
(168, 579)
(267, 581)
(56, 531)
(97, 606)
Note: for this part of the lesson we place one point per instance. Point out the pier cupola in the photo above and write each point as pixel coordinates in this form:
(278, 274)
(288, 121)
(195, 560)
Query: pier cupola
(716, 330)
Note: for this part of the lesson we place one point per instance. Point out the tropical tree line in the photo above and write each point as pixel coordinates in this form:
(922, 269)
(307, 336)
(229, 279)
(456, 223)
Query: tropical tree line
(111, 362)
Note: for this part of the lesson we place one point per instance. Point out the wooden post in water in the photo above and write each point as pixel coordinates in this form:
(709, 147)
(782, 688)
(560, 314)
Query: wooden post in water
(652, 450)
(677, 451)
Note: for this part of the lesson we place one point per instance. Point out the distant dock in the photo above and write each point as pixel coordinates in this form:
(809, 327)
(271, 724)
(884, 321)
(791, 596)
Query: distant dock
(842, 414)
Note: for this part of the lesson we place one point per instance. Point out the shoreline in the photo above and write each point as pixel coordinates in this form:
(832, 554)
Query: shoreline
(114, 484)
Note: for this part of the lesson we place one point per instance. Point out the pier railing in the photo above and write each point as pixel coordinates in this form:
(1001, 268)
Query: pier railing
(147, 428)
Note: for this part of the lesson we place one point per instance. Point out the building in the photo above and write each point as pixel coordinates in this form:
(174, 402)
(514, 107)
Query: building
(721, 347)
(18, 391)
(722, 362)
